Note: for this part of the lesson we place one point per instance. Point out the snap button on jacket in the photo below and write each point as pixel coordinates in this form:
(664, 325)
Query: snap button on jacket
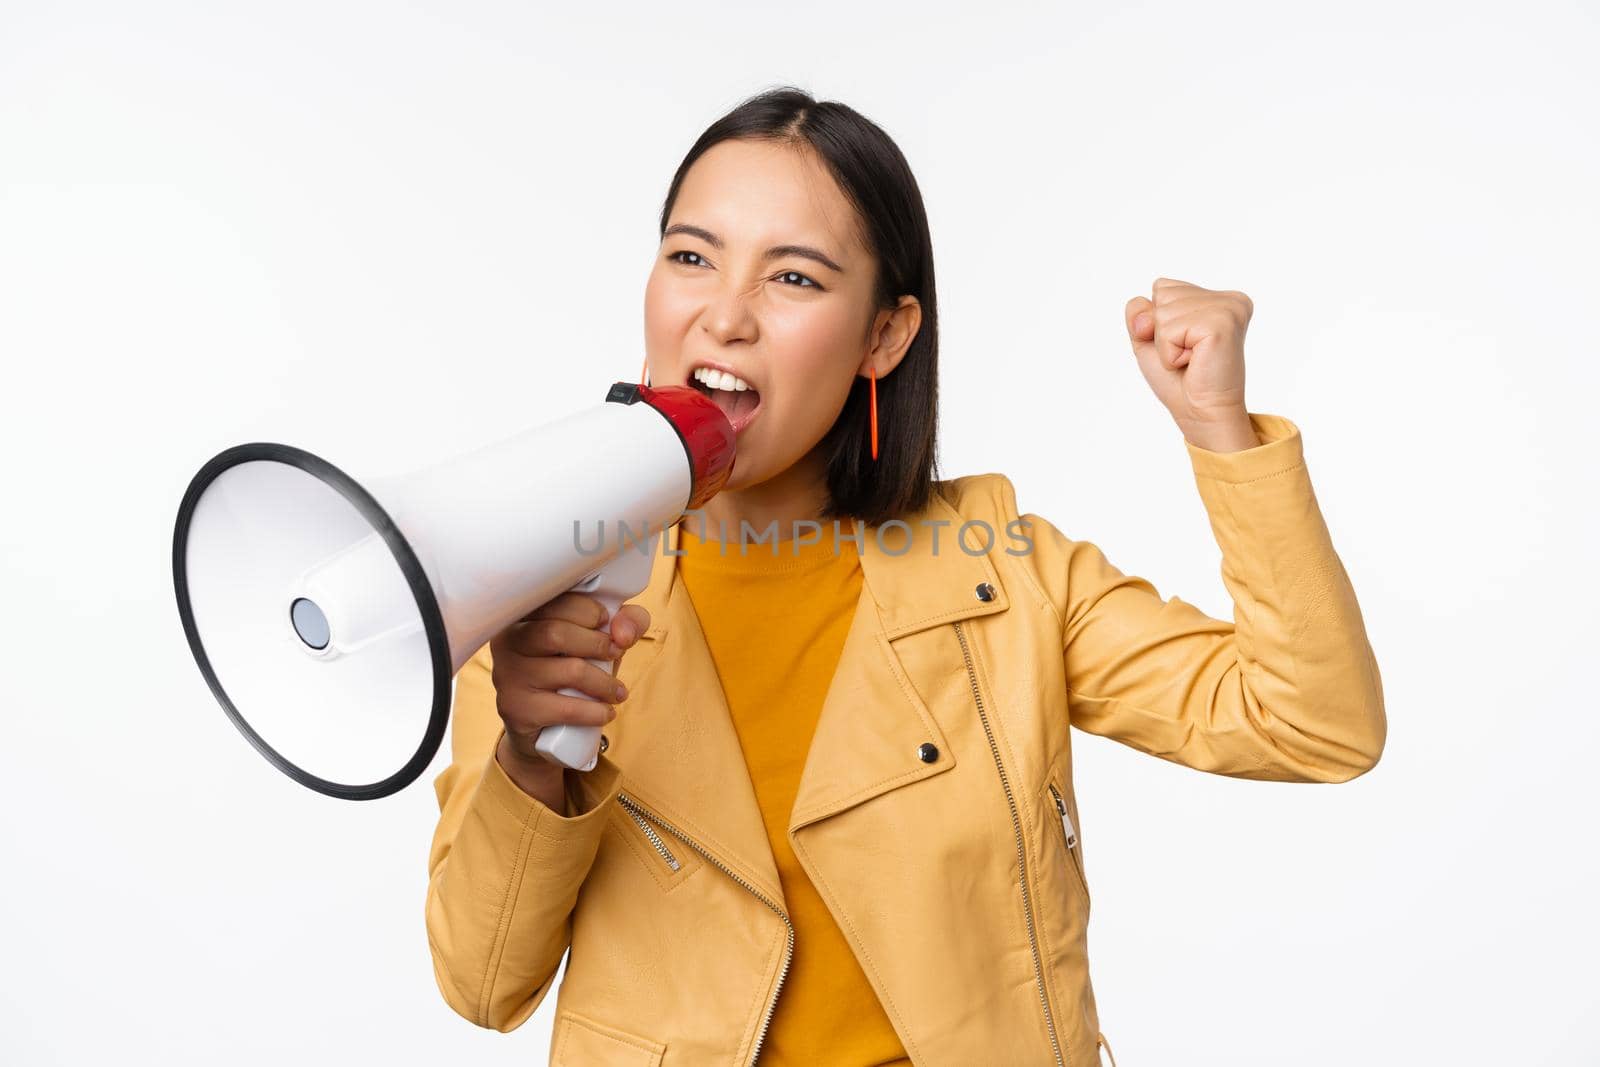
(658, 874)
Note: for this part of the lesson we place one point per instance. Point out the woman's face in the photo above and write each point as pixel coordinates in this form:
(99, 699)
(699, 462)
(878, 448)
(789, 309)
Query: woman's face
(761, 275)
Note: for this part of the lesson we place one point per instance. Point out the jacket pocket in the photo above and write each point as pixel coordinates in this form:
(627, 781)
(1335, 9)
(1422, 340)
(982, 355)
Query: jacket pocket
(579, 1041)
(668, 862)
(1069, 838)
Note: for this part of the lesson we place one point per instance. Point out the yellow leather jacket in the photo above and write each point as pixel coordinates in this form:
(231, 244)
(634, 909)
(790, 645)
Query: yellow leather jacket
(936, 813)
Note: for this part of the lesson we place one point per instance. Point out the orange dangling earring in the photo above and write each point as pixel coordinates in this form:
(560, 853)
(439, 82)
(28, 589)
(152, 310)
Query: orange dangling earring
(873, 406)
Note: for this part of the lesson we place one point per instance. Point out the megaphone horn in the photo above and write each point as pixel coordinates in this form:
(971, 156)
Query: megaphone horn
(329, 616)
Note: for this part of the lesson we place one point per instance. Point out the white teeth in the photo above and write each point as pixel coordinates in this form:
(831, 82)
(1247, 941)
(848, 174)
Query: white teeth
(720, 379)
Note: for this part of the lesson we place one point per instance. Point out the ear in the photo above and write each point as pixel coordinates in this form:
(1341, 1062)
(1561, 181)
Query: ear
(893, 330)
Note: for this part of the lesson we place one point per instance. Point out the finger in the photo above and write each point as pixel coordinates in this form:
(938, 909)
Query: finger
(1182, 334)
(1170, 345)
(580, 608)
(1246, 305)
(631, 622)
(531, 708)
(567, 672)
(1138, 315)
(561, 637)
(526, 714)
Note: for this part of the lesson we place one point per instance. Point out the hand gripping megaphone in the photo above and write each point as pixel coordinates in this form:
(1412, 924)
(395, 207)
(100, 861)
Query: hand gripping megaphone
(329, 616)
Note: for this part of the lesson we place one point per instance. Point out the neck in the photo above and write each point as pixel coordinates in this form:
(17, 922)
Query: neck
(795, 495)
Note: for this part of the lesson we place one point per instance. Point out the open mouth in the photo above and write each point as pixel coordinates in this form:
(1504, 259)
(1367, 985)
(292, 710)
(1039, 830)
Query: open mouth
(738, 400)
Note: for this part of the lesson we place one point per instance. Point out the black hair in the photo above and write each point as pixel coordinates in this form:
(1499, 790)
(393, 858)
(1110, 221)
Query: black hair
(893, 225)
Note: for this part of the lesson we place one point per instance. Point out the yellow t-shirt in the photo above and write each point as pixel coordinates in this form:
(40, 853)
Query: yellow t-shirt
(775, 619)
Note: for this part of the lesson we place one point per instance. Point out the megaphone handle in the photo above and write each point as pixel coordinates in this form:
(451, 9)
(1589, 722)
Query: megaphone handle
(578, 747)
(572, 746)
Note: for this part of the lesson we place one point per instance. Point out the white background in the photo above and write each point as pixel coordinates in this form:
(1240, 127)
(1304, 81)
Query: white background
(387, 233)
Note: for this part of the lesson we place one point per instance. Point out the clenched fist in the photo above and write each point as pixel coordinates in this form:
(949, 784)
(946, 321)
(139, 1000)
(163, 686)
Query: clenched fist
(1189, 343)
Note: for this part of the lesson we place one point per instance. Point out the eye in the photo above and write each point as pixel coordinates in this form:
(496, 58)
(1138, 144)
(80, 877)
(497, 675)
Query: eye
(809, 284)
(673, 256)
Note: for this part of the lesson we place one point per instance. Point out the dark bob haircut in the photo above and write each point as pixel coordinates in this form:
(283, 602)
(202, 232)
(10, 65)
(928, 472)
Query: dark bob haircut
(874, 176)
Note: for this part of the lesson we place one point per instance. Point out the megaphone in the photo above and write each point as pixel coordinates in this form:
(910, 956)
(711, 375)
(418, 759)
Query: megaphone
(329, 616)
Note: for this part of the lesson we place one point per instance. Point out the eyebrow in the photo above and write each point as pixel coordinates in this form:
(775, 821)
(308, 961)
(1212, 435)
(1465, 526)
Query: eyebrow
(775, 252)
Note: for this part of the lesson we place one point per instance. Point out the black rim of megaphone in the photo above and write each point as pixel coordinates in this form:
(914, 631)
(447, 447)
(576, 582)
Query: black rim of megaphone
(410, 566)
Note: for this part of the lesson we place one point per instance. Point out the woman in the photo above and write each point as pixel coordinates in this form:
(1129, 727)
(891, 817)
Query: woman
(837, 824)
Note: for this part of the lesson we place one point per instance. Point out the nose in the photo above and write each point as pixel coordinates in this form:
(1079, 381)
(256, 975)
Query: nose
(730, 318)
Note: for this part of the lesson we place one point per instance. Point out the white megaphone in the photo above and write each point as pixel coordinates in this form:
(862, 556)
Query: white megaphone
(330, 616)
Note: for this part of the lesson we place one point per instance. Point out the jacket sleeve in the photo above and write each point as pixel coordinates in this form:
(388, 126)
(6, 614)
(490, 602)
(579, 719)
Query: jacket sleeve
(1289, 691)
(504, 869)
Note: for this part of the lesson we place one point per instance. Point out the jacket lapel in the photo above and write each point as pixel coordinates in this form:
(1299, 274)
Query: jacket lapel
(679, 750)
(874, 720)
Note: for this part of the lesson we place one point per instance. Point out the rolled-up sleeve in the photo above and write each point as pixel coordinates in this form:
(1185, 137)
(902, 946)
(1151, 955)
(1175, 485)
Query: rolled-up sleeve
(1287, 691)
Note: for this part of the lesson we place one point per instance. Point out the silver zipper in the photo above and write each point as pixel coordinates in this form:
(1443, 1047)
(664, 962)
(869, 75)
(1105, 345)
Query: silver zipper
(1022, 858)
(1066, 820)
(655, 839)
(637, 811)
(1071, 833)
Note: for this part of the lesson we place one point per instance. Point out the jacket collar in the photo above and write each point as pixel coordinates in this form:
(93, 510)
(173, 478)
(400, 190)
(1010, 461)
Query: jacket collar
(680, 753)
